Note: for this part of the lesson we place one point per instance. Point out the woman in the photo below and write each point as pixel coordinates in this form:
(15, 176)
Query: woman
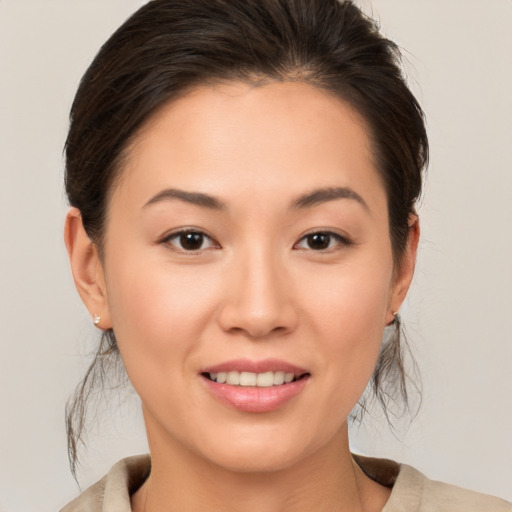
(243, 178)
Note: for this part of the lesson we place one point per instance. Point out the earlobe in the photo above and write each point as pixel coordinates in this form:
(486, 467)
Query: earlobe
(86, 268)
(404, 274)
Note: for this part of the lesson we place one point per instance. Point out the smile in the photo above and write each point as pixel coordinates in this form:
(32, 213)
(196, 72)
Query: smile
(246, 379)
(255, 386)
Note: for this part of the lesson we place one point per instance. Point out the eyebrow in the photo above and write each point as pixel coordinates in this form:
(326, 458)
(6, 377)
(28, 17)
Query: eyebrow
(308, 200)
(196, 198)
(323, 195)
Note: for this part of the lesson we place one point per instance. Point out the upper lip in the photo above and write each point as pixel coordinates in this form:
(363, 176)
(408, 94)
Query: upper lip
(262, 366)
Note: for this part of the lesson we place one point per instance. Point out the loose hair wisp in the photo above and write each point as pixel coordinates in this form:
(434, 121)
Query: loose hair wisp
(170, 46)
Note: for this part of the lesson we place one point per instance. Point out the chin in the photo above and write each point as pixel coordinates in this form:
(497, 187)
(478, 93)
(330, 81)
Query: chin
(256, 460)
(263, 452)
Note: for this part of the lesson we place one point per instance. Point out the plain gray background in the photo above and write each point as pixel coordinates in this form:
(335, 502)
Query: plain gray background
(458, 314)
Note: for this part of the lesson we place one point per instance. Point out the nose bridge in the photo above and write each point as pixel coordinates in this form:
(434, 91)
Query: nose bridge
(258, 299)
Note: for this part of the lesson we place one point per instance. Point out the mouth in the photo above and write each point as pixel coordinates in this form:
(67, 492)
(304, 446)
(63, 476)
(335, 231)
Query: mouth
(251, 379)
(255, 386)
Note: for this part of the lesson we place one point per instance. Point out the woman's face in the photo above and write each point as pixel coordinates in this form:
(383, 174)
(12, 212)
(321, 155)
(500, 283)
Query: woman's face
(248, 238)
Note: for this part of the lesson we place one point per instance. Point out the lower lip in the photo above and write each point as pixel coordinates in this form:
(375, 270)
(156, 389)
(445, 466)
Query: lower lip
(256, 399)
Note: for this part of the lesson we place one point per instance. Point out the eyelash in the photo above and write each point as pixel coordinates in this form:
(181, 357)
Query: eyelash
(178, 234)
(339, 239)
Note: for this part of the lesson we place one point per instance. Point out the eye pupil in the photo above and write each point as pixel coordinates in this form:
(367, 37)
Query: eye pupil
(319, 241)
(191, 241)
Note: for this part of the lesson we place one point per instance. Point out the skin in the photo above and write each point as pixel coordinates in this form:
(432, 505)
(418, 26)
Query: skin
(257, 289)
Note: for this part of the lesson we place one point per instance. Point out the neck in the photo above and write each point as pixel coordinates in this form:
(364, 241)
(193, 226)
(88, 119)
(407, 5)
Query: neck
(327, 480)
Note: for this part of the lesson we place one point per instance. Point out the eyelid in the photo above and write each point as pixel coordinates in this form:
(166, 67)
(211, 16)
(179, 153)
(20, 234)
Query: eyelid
(166, 240)
(342, 240)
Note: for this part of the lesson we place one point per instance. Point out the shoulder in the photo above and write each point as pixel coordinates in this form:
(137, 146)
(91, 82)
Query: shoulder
(413, 491)
(113, 491)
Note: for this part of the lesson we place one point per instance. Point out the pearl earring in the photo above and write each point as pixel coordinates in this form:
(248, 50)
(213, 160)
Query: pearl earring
(396, 318)
(96, 320)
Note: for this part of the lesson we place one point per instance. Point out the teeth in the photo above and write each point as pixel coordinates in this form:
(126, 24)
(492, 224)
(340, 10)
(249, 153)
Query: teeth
(265, 380)
(278, 378)
(248, 379)
(233, 378)
(262, 380)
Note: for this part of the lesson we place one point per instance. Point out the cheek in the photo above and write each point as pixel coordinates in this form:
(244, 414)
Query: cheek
(351, 299)
(349, 309)
(158, 313)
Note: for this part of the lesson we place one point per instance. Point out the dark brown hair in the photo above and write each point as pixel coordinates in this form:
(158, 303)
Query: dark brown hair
(169, 46)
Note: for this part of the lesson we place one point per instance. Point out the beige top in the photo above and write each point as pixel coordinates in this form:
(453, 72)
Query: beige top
(412, 491)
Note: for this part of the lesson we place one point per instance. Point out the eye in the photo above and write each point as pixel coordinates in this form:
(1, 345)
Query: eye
(321, 241)
(190, 240)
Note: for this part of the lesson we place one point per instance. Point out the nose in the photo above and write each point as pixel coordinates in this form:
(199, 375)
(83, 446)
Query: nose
(258, 299)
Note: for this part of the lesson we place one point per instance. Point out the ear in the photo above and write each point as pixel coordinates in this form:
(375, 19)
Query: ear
(404, 273)
(86, 268)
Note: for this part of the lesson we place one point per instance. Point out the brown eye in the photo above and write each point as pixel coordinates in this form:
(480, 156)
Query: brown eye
(318, 241)
(322, 241)
(189, 241)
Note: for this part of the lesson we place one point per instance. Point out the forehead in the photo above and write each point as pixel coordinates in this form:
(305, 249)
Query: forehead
(229, 138)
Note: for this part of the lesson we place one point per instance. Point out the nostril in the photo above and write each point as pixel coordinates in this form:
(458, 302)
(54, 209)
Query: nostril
(257, 309)
(258, 331)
